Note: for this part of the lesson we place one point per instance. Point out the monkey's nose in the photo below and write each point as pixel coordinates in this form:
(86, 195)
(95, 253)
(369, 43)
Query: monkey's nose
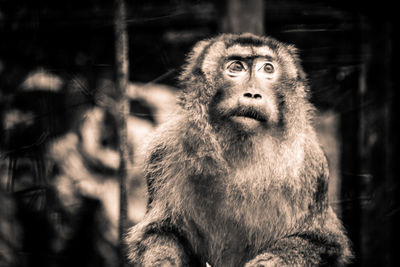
(254, 96)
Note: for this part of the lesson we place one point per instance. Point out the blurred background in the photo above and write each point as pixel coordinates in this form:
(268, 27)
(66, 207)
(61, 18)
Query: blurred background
(59, 191)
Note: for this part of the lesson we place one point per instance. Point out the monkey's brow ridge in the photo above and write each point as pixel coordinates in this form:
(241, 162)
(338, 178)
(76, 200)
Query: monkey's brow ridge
(249, 57)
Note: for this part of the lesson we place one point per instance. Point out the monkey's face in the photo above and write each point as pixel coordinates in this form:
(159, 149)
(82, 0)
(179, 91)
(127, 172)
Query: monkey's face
(245, 98)
(248, 83)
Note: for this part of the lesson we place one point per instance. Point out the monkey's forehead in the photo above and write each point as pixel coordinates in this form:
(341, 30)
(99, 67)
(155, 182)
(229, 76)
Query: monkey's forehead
(249, 51)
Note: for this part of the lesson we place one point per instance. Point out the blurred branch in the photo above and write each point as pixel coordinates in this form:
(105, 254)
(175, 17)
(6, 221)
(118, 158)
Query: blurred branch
(121, 62)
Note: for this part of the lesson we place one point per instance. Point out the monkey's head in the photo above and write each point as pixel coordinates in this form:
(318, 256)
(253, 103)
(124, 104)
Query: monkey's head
(245, 83)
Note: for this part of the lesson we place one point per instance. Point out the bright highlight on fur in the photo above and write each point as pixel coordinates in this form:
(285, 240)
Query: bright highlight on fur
(238, 178)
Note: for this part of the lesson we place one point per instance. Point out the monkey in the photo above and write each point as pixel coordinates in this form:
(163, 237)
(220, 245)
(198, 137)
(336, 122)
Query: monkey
(238, 177)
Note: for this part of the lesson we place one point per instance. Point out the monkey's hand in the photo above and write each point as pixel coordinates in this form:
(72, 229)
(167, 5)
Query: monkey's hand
(165, 261)
(265, 260)
(162, 251)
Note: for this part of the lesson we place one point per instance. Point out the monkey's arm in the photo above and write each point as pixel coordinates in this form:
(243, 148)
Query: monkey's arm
(157, 242)
(323, 244)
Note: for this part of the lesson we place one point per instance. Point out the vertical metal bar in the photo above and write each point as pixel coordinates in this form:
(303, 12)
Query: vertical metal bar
(122, 77)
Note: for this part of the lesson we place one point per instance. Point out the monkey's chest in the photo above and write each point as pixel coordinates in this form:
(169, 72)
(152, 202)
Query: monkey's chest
(234, 230)
(229, 241)
(238, 216)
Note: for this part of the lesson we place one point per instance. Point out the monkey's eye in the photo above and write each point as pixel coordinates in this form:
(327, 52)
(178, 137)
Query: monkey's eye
(269, 68)
(266, 68)
(235, 66)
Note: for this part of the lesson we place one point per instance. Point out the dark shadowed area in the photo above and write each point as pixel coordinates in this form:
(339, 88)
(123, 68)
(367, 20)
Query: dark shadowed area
(59, 187)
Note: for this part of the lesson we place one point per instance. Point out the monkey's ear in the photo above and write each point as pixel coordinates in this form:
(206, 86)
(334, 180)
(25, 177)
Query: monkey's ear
(294, 53)
(292, 49)
(193, 61)
(195, 89)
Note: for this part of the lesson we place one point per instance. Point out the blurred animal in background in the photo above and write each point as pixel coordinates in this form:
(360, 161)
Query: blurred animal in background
(238, 178)
(87, 161)
(96, 145)
(59, 144)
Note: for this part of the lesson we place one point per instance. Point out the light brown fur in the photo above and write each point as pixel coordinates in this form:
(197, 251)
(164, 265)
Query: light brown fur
(234, 196)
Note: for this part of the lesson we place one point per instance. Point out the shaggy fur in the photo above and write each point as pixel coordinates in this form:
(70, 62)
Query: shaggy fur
(231, 197)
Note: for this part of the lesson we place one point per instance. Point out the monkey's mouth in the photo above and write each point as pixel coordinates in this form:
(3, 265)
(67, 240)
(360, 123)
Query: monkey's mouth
(249, 113)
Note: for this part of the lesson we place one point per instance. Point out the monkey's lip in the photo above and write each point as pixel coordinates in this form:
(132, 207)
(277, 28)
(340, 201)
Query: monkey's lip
(247, 114)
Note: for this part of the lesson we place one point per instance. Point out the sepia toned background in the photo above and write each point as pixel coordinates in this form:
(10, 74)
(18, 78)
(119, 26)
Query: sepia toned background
(59, 189)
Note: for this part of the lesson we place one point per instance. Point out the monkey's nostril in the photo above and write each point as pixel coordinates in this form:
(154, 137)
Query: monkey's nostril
(248, 95)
